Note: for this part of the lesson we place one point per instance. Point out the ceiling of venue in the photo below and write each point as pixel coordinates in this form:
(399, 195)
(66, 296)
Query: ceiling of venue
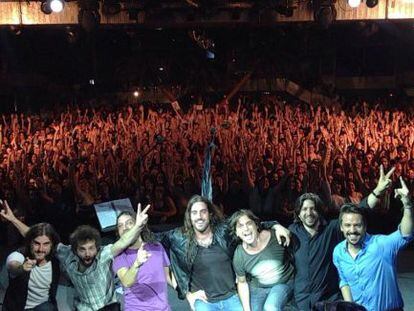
(202, 46)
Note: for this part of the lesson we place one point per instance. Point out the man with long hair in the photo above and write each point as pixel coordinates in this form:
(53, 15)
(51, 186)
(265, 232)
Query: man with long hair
(143, 269)
(201, 255)
(261, 257)
(87, 263)
(34, 272)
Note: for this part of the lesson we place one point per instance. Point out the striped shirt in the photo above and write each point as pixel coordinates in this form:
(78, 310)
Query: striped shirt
(95, 286)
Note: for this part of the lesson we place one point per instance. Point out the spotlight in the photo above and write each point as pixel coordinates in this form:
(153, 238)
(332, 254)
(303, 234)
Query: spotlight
(45, 7)
(49, 6)
(57, 5)
(372, 3)
(136, 94)
(354, 3)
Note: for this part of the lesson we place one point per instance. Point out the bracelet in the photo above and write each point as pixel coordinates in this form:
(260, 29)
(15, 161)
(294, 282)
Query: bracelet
(136, 266)
(375, 195)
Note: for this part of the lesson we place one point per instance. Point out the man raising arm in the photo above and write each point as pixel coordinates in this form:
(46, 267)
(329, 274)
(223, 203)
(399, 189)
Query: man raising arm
(366, 263)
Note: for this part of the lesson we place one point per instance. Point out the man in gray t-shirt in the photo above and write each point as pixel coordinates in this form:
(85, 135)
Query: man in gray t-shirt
(262, 260)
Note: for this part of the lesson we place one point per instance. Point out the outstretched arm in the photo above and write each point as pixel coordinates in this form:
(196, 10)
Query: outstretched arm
(7, 214)
(384, 182)
(406, 225)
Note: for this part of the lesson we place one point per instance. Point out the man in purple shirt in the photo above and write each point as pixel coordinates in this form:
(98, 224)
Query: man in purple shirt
(143, 269)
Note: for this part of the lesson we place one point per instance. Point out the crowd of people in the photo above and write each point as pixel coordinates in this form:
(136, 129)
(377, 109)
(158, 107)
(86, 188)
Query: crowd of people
(267, 153)
(278, 160)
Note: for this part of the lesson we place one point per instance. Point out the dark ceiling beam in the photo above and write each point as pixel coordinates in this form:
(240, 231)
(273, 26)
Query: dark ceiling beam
(181, 14)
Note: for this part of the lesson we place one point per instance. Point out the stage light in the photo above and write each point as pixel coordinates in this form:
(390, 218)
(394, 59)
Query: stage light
(136, 94)
(354, 3)
(49, 6)
(372, 3)
(45, 7)
(57, 5)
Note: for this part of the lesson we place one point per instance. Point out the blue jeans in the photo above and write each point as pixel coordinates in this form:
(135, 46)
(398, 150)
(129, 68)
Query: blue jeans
(232, 303)
(270, 298)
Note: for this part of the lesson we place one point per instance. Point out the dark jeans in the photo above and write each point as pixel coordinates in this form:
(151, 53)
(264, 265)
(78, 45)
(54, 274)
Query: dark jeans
(46, 306)
(112, 307)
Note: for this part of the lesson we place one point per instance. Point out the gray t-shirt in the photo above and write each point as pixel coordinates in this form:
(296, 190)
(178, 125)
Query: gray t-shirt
(40, 281)
(267, 268)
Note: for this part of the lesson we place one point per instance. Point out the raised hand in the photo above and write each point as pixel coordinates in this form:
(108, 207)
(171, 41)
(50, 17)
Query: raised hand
(402, 193)
(142, 216)
(6, 212)
(384, 180)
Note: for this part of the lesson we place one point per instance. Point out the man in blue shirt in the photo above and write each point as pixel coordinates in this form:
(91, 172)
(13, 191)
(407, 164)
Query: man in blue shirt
(366, 263)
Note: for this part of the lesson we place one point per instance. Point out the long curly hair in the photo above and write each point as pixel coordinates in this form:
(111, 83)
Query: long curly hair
(39, 230)
(188, 231)
(82, 234)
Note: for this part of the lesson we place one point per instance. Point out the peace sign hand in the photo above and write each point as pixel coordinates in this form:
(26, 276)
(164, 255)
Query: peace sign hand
(6, 212)
(384, 180)
(402, 193)
(142, 216)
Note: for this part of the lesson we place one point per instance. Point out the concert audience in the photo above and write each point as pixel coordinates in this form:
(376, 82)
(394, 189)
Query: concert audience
(267, 153)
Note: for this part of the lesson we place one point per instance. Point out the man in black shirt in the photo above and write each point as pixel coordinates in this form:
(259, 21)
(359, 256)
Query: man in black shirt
(314, 239)
(201, 257)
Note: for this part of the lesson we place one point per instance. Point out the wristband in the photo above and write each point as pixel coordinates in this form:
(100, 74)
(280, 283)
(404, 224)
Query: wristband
(375, 195)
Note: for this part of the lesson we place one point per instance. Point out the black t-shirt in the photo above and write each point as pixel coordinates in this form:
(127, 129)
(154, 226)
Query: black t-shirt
(213, 273)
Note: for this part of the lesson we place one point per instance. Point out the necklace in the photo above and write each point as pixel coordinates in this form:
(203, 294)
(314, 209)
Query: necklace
(205, 242)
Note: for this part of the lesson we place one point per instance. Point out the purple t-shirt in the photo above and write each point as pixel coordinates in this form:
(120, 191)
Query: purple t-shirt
(150, 289)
